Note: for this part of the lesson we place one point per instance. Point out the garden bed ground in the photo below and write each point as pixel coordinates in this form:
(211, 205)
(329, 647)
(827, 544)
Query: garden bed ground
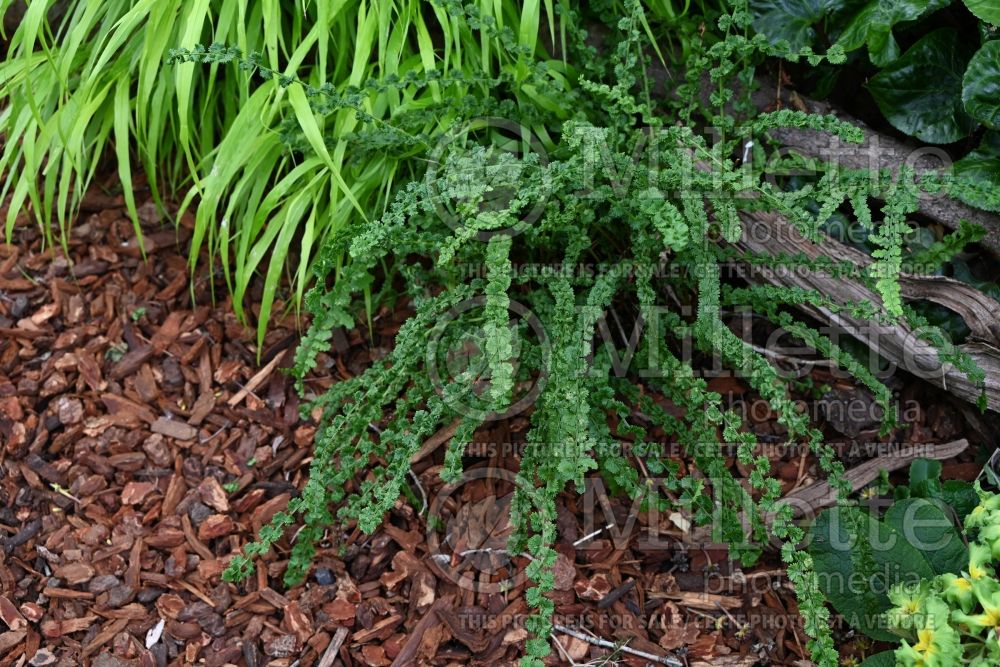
(143, 444)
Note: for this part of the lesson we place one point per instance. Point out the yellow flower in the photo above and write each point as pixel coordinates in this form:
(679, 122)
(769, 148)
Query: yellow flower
(925, 643)
(987, 593)
(937, 645)
(980, 561)
(957, 590)
(909, 611)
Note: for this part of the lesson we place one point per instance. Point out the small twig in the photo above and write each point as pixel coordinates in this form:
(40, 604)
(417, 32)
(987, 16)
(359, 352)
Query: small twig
(330, 654)
(616, 594)
(255, 381)
(443, 435)
(63, 492)
(591, 536)
(819, 495)
(420, 488)
(729, 616)
(213, 436)
(564, 654)
(604, 643)
(797, 361)
(30, 529)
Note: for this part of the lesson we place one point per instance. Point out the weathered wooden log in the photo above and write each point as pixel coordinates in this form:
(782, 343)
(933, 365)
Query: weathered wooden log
(817, 496)
(878, 151)
(896, 342)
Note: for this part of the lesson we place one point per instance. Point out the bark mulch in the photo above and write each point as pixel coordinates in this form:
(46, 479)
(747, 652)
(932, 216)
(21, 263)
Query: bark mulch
(143, 443)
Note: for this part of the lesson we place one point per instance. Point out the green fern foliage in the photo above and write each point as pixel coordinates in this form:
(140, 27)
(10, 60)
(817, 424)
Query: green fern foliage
(628, 184)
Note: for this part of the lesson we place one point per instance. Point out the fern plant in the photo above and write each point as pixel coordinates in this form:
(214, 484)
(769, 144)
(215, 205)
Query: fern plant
(681, 207)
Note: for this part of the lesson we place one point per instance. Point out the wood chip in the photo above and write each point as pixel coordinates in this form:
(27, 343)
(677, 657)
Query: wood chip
(53, 628)
(10, 615)
(135, 492)
(213, 495)
(215, 526)
(74, 573)
(174, 429)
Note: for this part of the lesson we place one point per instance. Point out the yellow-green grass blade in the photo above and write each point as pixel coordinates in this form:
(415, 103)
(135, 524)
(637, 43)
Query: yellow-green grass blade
(295, 210)
(305, 261)
(528, 30)
(82, 30)
(234, 151)
(257, 236)
(123, 29)
(121, 124)
(310, 128)
(427, 54)
(192, 25)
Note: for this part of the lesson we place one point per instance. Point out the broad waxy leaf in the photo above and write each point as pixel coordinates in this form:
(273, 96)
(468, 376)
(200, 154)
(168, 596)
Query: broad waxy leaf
(882, 659)
(925, 482)
(873, 25)
(791, 20)
(926, 525)
(987, 10)
(981, 85)
(978, 173)
(920, 92)
(924, 474)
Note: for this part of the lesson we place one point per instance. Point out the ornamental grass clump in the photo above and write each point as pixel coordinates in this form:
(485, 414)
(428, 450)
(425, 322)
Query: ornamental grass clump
(273, 173)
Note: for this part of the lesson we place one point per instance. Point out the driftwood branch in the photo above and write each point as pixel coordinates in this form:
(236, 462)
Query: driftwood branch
(896, 342)
(604, 643)
(878, 151)
(810, 499)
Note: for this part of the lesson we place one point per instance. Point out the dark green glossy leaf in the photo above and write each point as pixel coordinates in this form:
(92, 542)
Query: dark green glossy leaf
(987, 10)
(920, 92)
(961, 496)
(978, 173)
(791, 20)
(924, 470)
(981, 85)
(925, 477)
(883, 659)
(873, 25)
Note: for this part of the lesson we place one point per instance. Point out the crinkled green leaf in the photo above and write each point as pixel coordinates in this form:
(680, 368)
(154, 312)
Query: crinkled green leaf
(981, 85)
(859, 598)
(928, 528)
(960, 496)
(920, 92)
(883, 659)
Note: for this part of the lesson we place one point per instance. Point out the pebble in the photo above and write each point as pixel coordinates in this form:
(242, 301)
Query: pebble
(147, 595)
(120, 595)
(199, 512)
(102, 583)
